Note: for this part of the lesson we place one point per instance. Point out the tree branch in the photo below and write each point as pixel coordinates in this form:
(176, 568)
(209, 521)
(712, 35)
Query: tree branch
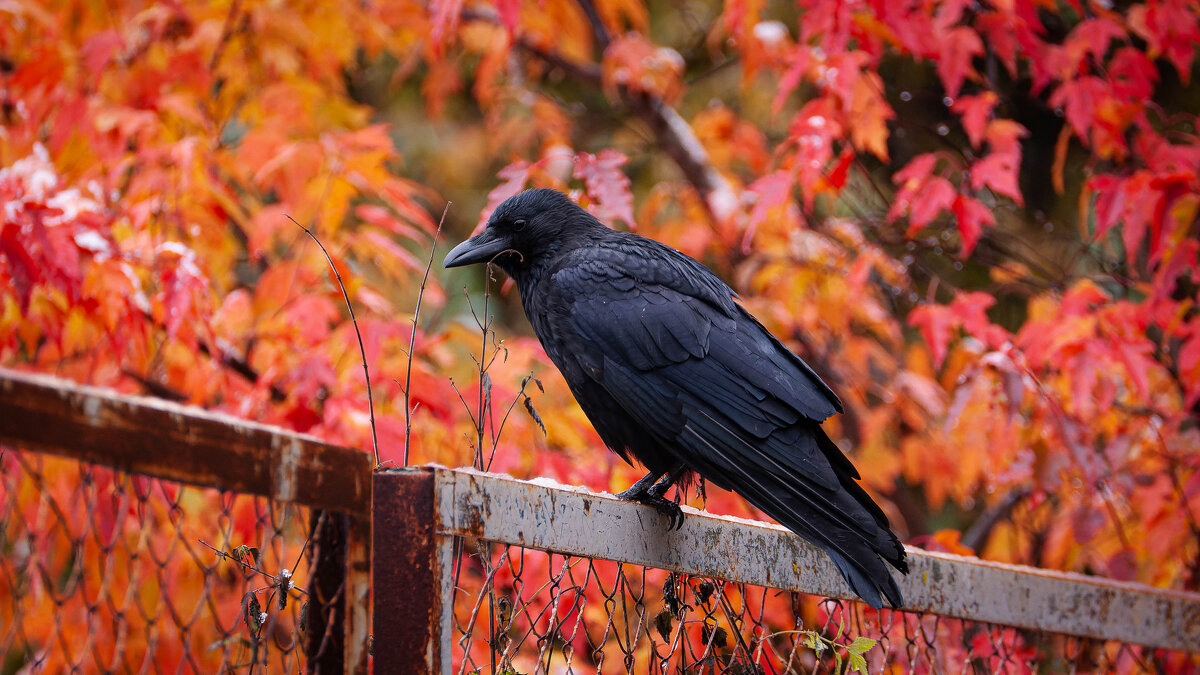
(672, 133)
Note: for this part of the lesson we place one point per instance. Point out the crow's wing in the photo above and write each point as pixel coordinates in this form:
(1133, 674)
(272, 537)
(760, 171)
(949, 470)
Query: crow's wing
(664, 338)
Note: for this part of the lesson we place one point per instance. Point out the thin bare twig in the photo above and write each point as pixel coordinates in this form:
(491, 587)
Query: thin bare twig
(412, 340)
(361, 349)
(235, 9)
(228, 556)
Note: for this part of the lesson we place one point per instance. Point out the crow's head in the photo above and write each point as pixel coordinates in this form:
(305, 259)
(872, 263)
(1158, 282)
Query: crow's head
(525, 231)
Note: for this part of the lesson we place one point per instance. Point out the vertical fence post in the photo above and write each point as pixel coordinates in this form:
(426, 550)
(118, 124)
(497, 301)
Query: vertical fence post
(358, 594)
(411, 566)
(324, 632)
(337, 631)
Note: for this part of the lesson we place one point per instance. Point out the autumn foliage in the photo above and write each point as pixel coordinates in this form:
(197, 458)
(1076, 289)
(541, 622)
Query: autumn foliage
(977, 220)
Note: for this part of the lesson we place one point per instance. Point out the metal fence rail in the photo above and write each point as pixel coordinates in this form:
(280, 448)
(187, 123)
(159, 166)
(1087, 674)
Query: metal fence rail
(483, 573)
(114, 510)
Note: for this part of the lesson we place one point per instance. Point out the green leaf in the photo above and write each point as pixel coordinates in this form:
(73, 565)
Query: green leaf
(860, 645)
(857, 664)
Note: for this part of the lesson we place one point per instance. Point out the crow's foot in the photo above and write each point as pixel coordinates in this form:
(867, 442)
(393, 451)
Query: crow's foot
(661, 504)
(649, 490)
(638, 491)
(668, 508)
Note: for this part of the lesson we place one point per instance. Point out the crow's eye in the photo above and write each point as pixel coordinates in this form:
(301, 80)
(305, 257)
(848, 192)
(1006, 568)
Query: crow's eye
(519, 224)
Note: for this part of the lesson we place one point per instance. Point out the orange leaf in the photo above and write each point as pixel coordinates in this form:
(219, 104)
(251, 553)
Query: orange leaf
(634, 62)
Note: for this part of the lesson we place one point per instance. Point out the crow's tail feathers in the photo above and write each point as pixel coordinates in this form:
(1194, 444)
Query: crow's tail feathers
(857, 546)
(839, 517)
(869, 585)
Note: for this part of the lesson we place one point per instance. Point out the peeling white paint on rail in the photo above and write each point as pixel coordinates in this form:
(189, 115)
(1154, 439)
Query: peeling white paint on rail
(574, 521)
(287, 469)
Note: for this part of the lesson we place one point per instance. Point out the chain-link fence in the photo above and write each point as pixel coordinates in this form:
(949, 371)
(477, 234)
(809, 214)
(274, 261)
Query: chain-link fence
(145, 568)
(564, 603)
(546, 613)
(118, 555)
(106, 571)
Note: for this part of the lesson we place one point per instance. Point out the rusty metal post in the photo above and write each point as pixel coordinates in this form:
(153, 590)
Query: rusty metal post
(358, 595)
(324, 640)
(411, 565)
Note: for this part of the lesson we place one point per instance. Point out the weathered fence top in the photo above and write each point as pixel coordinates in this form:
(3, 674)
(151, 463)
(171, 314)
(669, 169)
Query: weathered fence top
(166, 440)
(543, 515)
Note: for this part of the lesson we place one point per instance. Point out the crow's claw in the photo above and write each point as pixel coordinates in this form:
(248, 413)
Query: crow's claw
(668, 508)
(661, 504)
(649, 491)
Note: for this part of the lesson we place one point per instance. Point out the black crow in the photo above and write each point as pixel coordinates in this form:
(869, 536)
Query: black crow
(674, 372)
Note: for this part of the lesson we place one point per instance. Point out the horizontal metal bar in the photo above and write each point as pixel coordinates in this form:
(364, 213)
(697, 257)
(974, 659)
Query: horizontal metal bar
(185, 444)
(573, 521)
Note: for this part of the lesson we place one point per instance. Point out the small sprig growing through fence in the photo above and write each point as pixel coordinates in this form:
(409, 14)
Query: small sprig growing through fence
(481, 416)
(855, 660)
(281, 587)
(483, 421)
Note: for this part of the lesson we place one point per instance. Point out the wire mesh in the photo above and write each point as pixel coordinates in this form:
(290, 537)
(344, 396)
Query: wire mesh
(519, 611)
(106, 571)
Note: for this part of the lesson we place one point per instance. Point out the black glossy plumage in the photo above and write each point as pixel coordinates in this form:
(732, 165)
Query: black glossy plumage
(671, 370)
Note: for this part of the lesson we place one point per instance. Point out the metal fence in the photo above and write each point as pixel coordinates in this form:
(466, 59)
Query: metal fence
(483, 573)
(142, 536)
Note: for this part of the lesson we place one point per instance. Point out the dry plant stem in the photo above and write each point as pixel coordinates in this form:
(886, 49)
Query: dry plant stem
(291, 585)
(484, 396)
(412, 340)
(361, 349)
(485, 550)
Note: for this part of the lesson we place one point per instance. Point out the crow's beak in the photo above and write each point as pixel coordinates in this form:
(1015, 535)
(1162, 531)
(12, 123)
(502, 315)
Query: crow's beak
(478, 249)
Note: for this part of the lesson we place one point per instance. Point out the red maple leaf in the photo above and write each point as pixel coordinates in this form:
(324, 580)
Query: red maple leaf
(607, 184)
(998, 172)
(509, 12)
(958, 47)
(1132, 74)
(1000, 169)
(771, 190)
(936, 196)
(976, 111)
(922, 195)
(445, 19)
(972, 217)
(935, 323)
(1169, 28)
(515, 176)
(1089, 38)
